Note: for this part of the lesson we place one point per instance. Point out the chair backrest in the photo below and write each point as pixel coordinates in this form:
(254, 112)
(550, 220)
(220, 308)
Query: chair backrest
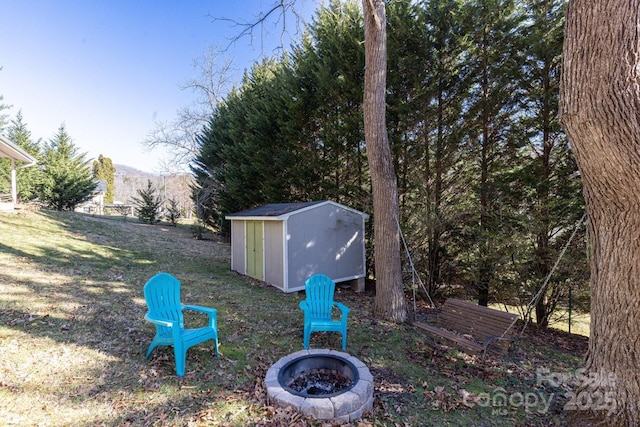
(319, 291)
(162, 294)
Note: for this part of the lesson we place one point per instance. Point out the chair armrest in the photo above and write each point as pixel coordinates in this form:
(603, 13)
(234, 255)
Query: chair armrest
(200, 309)
(304, 305)
(343, 308)
(211, 312)
(160, 322)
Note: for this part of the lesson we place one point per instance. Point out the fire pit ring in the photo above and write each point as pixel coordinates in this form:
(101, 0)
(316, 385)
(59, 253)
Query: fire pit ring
(322, 370)
(347, 404)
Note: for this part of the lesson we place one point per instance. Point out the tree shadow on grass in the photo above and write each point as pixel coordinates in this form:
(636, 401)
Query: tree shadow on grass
(72, 315)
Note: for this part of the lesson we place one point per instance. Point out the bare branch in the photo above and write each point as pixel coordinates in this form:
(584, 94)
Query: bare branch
(278, 12)
(179, 136)
(212, 80)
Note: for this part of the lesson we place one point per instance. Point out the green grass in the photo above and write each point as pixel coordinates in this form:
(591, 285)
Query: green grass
(73, 339)
(580, 322)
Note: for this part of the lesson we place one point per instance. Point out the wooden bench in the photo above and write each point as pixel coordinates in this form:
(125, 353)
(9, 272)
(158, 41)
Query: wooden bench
(473, 327)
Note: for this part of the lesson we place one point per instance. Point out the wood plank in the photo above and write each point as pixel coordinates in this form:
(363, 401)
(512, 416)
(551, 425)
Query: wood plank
(471, 317)
(451, 336)
(467, 305)
(488, 328)
(488, 323)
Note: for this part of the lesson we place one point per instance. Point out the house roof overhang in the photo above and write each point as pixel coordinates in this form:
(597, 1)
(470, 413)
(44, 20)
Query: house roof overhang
(12, 151)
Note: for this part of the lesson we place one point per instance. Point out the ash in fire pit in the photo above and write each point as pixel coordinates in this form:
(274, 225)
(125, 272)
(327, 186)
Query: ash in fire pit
(318, 375)
(317, 382)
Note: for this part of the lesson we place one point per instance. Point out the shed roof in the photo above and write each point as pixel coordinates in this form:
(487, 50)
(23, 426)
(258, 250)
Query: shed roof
(12, 151)
(282, 210)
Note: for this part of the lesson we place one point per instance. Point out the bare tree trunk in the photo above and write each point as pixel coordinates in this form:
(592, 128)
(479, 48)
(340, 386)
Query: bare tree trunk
(390, 302)
(600, 110)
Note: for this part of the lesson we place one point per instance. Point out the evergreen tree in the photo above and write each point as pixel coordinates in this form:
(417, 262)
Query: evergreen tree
(336, 135)
(260, 148)
(3, 115)
(494, 57)
(214, 191)
(430, 72)
(148, 204)
(104, 170)
(173, 212)
(554, 202)
(66, 176)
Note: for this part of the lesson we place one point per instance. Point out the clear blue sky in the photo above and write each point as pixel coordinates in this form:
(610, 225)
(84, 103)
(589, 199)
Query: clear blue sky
(110, 69)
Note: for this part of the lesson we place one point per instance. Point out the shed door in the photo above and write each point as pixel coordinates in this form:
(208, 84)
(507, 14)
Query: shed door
(255, 253)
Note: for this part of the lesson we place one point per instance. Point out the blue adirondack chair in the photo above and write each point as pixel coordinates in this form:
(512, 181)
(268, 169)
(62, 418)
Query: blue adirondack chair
(318, 308)
(162, 294)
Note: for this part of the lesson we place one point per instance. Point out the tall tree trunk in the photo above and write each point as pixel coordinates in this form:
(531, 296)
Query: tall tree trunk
(600, 110)
(390, 302)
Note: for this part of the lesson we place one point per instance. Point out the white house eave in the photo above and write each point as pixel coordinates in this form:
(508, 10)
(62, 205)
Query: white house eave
(10, 150)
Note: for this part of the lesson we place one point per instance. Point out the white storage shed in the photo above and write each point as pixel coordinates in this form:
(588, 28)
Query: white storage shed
(283, 244)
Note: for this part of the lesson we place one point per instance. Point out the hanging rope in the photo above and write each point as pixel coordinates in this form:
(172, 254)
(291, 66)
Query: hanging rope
(413, 272)
(543, 288)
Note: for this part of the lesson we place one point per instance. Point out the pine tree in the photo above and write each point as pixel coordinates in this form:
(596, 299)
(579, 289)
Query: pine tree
(173, 212)
(494, 60)
(555, 202)
(148, 204)
(67, 180)
(337, 128)
(104, 170)
(3, 115)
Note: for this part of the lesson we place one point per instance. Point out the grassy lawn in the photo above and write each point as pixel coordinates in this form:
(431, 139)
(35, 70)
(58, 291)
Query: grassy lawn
(580, 322)
(73, 339)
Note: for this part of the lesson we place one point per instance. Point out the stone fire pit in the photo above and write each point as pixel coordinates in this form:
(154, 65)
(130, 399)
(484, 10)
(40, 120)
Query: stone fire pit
(347, 404)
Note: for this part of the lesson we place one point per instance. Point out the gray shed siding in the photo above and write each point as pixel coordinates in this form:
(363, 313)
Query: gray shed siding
(274, 253)
(327, 239)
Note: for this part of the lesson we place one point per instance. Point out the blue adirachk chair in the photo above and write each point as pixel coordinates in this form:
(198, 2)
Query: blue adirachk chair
(162, 294)
(318, 309)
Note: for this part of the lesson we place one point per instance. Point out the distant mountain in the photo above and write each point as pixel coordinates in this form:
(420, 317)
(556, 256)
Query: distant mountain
(123, 170)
